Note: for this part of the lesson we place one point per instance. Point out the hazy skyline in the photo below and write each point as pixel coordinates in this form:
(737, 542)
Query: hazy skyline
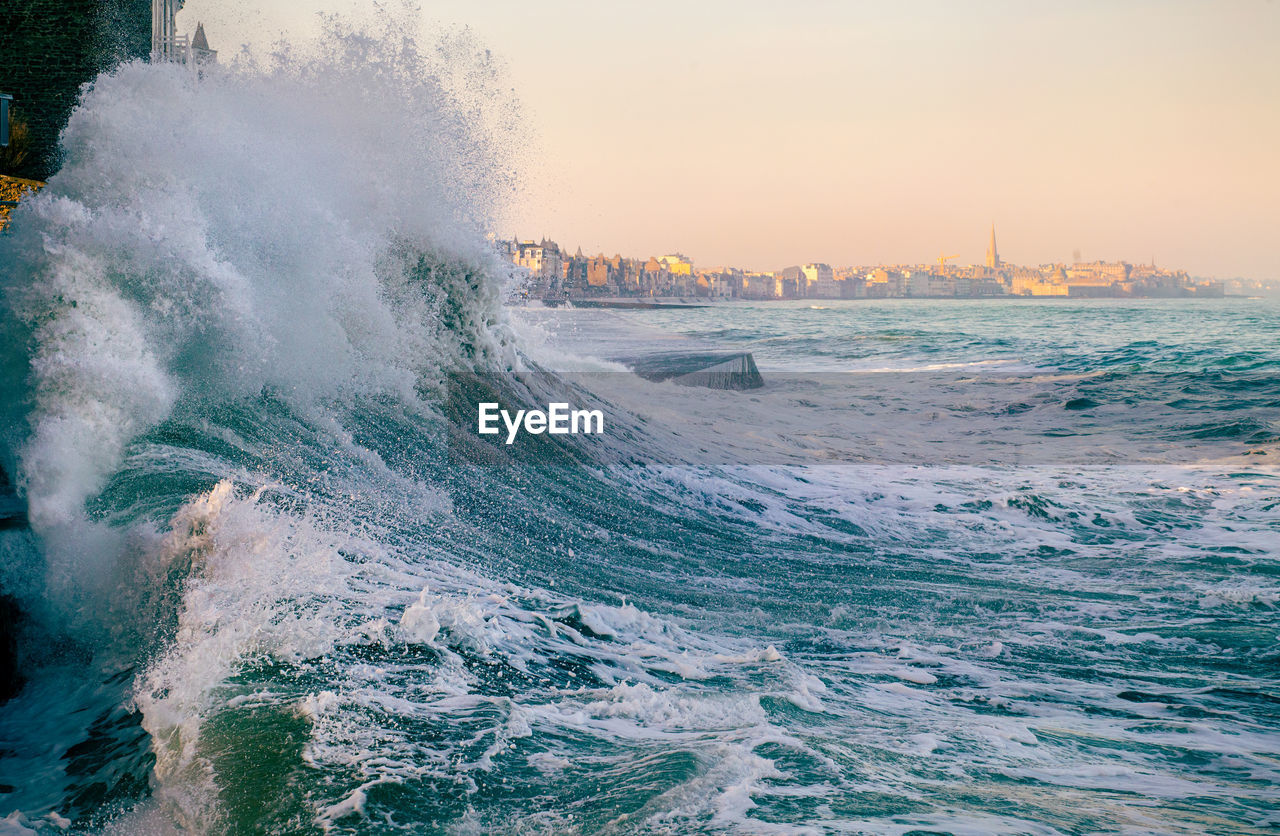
(758, 135)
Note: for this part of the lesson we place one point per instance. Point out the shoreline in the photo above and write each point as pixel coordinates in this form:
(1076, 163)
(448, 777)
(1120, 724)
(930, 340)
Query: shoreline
(638, 303)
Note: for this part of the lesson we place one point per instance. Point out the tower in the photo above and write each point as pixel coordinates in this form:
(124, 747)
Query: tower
(993, 255)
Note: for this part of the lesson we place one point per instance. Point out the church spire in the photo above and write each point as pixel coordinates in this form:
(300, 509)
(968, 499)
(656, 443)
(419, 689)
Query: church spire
(993, 255)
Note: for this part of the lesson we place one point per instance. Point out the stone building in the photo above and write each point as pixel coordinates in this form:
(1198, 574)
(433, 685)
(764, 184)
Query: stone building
(542, 259)
(820, 281)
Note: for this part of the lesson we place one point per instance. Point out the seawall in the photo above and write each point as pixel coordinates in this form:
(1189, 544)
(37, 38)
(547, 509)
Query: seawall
(49, 49)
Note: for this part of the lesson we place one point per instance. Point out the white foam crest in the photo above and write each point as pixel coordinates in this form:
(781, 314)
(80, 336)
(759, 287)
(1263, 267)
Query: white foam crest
(363, 736)
(632, 710)
(1240, 595)
(262, 587)
(722, 793)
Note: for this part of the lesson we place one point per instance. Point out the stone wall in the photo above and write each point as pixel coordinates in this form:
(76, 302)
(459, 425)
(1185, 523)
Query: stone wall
(49, 49)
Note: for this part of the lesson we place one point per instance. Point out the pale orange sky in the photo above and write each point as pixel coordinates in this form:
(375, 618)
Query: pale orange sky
(762, 134)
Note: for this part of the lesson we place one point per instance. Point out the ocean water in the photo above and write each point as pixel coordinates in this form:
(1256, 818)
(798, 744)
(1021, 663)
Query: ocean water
(959, 567)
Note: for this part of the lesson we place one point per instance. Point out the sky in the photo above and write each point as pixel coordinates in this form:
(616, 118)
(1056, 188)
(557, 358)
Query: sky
(760, 134)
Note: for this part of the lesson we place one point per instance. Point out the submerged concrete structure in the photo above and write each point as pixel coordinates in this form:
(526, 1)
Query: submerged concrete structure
(712, 370)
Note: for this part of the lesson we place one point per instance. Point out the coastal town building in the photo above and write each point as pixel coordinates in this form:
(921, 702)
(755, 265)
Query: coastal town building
(1028, 282)
(541, 258)
(820, 282)
(760, 286)
(678, 264)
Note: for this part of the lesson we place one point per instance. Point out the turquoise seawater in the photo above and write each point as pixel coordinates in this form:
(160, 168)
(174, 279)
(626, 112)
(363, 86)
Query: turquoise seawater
(339, 628)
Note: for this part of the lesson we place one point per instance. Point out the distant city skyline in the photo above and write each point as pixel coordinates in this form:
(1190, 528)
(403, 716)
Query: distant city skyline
(552, 273)
(992, 260)
(866, 133)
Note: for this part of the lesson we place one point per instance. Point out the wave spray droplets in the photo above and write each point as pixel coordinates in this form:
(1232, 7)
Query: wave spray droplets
(314, 229)
(297, 233)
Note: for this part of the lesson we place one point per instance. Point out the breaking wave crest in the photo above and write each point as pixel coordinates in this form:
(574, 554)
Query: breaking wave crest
(273, 602)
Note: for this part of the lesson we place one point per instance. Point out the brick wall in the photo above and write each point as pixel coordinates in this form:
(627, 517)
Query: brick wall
(49, 48)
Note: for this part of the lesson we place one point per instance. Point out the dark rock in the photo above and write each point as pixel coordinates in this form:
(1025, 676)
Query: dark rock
(10, 622)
